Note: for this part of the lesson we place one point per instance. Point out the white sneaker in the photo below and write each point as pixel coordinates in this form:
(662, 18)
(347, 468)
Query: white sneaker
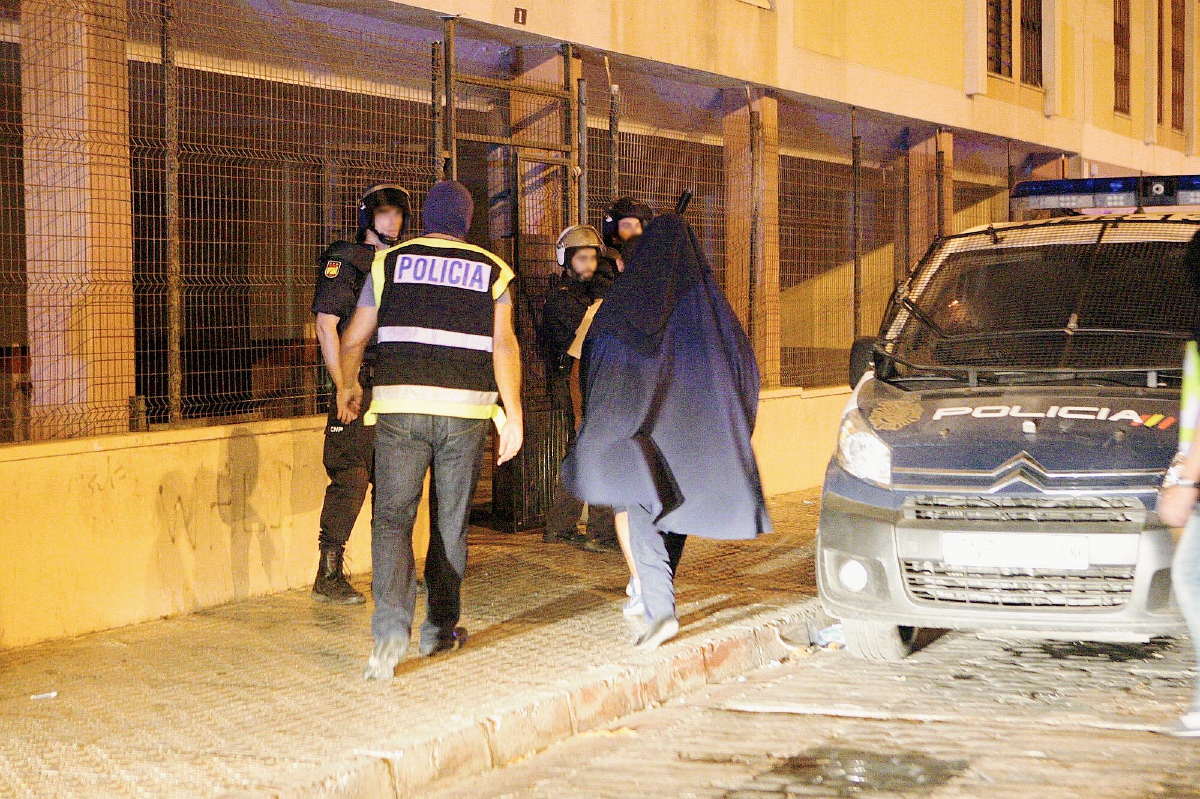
(1188, 726)
(635, 606)
(384, 657)
(663, 630)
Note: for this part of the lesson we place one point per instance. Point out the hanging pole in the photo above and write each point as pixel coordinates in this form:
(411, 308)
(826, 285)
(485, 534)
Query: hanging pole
(939, 171)
(451, 120)
(437, 104)
(171, 211)
(614, 136)
(755, 214)
(904, 207)
(568, 58)
(856, 216)
(582, 150)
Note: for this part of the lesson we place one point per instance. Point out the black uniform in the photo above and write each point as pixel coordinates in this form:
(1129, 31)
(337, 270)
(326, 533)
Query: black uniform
(349, 448)
(562, 314)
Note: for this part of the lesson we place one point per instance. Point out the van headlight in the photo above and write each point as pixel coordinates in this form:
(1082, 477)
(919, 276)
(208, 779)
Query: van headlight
(862, 453)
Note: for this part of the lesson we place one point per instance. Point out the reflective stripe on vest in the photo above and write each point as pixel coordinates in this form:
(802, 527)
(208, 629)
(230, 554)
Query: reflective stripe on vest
(435, 401)
(440, 338)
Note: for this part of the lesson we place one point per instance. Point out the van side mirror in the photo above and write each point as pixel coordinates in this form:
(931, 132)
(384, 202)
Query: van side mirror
(862, 358)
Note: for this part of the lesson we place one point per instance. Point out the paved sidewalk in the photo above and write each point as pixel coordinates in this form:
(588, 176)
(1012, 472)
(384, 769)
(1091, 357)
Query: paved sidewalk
(265, 697)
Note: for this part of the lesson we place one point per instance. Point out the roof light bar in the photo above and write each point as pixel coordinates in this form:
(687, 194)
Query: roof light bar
(1127, 192)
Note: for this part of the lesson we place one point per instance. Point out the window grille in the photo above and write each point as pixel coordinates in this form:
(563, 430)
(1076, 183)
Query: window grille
(1121, 56)
(1031, 42)
(999, 33)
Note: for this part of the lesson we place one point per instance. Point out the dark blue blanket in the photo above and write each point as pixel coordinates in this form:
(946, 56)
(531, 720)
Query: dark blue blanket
(671, 392)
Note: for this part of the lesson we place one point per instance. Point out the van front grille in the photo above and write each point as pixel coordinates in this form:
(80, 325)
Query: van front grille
(1097, 587)
(1037, 509)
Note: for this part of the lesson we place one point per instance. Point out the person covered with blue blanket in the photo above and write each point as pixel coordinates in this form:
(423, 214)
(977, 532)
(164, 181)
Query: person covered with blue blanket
(670, 389)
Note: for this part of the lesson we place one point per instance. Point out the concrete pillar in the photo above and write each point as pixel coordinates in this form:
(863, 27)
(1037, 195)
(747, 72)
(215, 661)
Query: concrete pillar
(930, 163)
(751, 153)
(78, 215)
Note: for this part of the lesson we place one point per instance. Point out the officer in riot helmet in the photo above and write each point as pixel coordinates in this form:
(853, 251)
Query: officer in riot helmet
(383, 215)
(568, 309)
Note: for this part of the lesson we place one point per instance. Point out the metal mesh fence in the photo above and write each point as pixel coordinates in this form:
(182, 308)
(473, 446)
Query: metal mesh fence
(669, 139)
(843, 238)
(253, 131)
(170, 169)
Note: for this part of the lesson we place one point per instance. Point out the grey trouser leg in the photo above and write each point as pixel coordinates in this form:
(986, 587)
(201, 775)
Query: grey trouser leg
(402, 456)
(653, 564)
(457, 455)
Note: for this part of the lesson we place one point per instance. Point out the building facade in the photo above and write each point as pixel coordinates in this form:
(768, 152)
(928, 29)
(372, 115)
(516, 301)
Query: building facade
(169, 169)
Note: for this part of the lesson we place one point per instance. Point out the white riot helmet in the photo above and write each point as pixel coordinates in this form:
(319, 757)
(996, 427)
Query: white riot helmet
(575, 237)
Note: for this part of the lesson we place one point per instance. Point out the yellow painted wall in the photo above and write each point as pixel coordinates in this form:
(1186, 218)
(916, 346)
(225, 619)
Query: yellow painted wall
(103, 532)
(795, 435)
(924, 39)
(813, 313)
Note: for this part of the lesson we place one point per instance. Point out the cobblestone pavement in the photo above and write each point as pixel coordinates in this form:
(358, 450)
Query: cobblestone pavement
(963, 717)
(265, 696)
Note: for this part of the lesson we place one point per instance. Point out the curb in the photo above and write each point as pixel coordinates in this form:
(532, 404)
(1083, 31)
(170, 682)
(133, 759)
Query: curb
(498, 739)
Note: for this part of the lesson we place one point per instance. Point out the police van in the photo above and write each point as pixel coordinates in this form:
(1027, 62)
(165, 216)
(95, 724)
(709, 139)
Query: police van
(997, 465)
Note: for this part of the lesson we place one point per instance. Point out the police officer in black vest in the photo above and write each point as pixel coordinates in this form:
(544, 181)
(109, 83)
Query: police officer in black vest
(447, 356)
(383, 214)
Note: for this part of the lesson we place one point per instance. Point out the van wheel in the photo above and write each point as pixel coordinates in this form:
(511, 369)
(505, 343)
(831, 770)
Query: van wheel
(872, 640)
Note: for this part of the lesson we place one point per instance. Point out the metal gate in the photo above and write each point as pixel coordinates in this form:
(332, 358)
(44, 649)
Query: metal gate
(517, 139)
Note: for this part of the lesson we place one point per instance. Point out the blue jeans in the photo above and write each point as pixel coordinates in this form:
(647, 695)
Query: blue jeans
(406, 445)
(1185, 580)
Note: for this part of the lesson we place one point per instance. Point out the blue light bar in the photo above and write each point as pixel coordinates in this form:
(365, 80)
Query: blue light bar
(1127, 192)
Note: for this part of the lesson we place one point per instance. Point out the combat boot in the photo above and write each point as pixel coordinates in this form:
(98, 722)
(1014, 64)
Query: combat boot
(331, 584)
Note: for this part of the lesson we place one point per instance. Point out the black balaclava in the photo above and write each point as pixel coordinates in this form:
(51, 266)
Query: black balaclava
(448, 209)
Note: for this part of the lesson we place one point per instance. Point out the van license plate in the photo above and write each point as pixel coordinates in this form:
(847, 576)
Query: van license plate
(1015, 550)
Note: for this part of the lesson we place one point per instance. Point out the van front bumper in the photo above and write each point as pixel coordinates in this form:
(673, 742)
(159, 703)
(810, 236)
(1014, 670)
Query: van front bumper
(902, 559)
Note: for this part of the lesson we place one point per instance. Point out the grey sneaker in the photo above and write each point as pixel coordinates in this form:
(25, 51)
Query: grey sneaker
(663, 630)
(384, 657)
(1188, 726)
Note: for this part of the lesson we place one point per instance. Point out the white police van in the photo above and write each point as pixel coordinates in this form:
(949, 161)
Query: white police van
(997, 465)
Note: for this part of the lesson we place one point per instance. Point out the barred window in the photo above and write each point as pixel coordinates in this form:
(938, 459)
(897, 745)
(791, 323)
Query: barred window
(1178, 54)
(999, 33)
(1031, 42)
(1121, 68)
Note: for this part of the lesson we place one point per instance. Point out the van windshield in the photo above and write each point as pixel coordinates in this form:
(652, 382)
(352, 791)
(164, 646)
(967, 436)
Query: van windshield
(1092, 295)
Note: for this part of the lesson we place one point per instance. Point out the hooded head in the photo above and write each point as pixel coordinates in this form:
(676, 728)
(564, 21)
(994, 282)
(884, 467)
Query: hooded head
(448, 209)
(667, 264)
(625, 208)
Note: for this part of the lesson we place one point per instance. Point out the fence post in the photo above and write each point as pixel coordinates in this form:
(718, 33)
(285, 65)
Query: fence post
(582, 150)
(856, 218)
(451, 116)
(751, 161)
(171, 210)
(614, 142)
(569, 130)
(436, 109)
